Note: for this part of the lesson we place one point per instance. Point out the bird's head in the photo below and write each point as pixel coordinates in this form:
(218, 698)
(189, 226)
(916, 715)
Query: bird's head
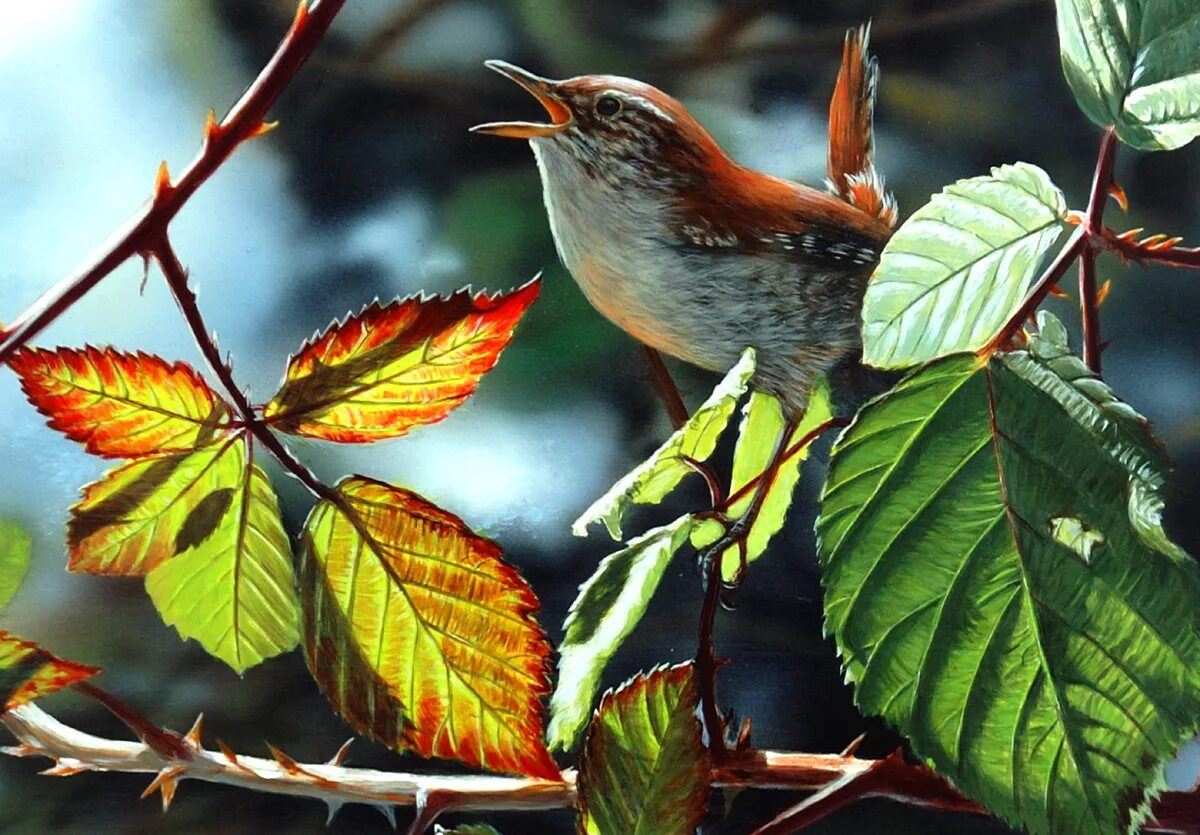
(612, 128)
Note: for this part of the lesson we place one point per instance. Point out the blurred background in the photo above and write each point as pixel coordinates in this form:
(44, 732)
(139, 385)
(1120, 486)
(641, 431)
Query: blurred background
(373, 187)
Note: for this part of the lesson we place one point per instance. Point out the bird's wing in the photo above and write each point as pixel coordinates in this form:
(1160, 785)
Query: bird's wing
(851, 164)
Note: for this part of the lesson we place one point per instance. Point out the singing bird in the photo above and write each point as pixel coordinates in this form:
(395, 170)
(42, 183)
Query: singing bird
(697, 256)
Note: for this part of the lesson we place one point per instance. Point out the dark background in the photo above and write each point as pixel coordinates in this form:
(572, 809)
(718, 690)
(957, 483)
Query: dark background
(373, 187)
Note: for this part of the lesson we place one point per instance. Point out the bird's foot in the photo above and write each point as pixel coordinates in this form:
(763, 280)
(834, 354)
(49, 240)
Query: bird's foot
(709, 558)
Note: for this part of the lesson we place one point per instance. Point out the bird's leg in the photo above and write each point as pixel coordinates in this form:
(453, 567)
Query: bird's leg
(736, 530)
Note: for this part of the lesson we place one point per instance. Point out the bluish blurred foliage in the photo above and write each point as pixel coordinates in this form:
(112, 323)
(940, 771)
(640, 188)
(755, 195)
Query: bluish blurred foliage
(373, 187)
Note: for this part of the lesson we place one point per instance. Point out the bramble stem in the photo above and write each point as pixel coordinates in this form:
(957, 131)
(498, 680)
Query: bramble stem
(177, 280)
(1089, 304)
(243, 121)
(40, 734)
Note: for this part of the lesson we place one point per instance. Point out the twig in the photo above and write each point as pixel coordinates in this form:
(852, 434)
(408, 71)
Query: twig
(1089, 305)
(1037, 295)
(74, 751)
(177, 280)
(792, 451)
(664, 386)
(895, 27)
(166, 744)
(1127, 248)
(243, 121)
(706, 663)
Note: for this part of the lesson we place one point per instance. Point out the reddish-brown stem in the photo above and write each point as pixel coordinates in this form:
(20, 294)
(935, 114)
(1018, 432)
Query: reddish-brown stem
(243, 121)
(168, 745)
(1041, 289)
(1089, 304)
(793, 450)
(664, 386)
(1187, 258)
(706, 663)
(177, 280)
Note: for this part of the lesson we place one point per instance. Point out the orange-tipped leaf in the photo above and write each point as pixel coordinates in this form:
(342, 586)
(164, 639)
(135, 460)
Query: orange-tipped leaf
(28, 672)
(121, 405)
(397, 366)
(419, 633)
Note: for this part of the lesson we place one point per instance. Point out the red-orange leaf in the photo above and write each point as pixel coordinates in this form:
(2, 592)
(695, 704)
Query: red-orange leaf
(28, 672)
(419, 634)
(393, 367)
(121, 405)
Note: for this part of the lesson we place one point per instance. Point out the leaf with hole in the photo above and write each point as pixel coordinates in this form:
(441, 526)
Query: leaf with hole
(1050, 687)
(419, 633)
(650, 481)
(1135, 65)
(394, 367)
(954, 272)
(122, 405)
(28, 672)
(609, 606)
(762, 424)
(644, 769)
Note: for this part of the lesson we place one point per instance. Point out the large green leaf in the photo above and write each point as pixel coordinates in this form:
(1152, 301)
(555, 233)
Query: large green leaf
(1135, 65)
(1048, 680)
(657, 476)
(956, 270)
(644, 769)
(762, 423)
(610, 604)
(233, 590)
(15, 549)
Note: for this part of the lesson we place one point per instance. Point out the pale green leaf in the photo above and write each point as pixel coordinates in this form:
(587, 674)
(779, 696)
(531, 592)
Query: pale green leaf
(233, 590)
(610, 604)
(15, 549)
(644, 769)
(1050, 687)
(762, 424)
(1135, 65)
(650, 481)
(955, 271)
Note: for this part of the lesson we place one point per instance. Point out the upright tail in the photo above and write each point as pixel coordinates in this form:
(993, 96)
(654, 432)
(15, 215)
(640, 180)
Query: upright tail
(851, 163)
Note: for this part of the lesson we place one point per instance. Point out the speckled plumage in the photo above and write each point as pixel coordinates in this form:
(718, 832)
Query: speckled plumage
(699, 257)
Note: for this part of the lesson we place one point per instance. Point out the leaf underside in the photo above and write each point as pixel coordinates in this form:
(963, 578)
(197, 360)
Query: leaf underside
(960, 266)
(419, 634)
(644, 769)
(650, 481)
(608, 608)
(1049, 686)
(394, 367)
(1134, 65)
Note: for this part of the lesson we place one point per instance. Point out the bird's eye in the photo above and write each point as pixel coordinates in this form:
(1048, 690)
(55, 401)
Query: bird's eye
(608, 105)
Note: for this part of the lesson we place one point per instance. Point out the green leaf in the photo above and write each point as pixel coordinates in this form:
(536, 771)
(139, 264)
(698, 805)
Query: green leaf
(15, 550)
(956, 270)
(1135, 65)
(231, 586)
(1051, 688)
(650, 481)
(610, 604)
(762, 423)
(644, 769)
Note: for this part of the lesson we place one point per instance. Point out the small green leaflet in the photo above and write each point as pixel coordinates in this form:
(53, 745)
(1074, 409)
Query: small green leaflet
(15, 549)
(610, 604)
(1048, 685)
(644, 769)
(956, 270)
(762, 422)
(233, 590)
(1135, 65)
(657, 476)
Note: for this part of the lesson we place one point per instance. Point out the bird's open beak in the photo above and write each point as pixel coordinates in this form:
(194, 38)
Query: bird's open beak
(542, 89)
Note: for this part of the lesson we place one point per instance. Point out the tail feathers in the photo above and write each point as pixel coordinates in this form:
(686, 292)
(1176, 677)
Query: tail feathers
(851, 164)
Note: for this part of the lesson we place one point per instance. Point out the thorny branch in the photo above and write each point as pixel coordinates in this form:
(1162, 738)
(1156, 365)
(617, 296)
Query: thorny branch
(40, 734)
(245, 120)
